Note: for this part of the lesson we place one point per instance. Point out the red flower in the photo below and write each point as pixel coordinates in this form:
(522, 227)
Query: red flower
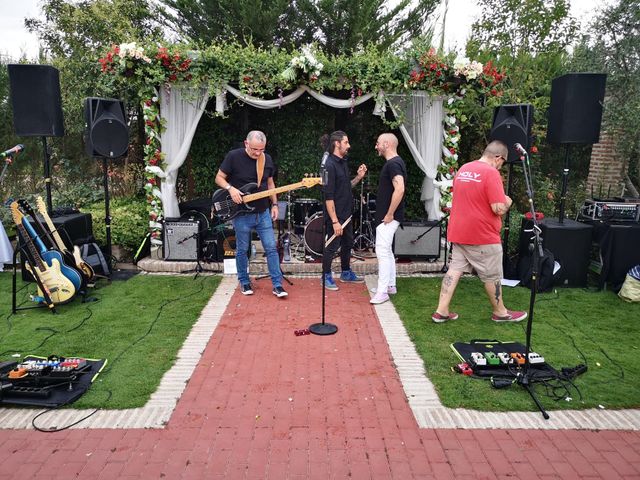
(173, 77)
(534, 149)
(246, 78)
(152, 181)
(153, 161)
(452, 150)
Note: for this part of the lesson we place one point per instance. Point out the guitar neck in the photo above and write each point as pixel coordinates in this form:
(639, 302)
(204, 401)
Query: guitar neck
(32, 248)
(274, 191)
(52, 228)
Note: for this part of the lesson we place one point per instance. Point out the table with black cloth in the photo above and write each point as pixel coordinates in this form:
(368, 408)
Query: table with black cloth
(619, 249)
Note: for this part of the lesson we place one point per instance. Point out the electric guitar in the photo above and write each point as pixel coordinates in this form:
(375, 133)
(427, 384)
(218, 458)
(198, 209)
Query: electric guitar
(78, 261)
(225, 208)
(58, 289)
(49, 255)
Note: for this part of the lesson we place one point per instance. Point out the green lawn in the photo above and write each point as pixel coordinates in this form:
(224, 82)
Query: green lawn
(138, 325)
(570, 327)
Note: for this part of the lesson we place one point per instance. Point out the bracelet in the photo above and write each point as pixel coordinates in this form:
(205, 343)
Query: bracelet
(274, 205)
(335, 223)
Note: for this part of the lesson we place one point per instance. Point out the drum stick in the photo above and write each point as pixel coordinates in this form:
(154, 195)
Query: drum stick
(346, 222)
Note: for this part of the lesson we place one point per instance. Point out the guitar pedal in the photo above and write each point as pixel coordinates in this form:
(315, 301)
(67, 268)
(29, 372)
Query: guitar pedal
(492, 358)
(518, 358)
(464, 369)
(478, 359)
(504, 357)
(535, 359)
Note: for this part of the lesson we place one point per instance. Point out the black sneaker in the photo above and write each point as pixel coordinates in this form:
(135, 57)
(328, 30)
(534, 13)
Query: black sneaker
(246, 289)
(280, 292)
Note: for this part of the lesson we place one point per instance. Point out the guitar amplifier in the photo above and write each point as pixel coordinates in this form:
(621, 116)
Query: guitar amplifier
(418, 240)
(181, 239)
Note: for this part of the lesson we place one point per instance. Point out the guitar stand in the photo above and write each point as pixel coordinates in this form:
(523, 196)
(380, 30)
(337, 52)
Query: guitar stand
(47, 300)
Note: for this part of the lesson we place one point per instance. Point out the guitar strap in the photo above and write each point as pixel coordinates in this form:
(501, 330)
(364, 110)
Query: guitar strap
(260, 168)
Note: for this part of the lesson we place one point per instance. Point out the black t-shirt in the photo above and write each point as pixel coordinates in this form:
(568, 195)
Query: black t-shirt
(391, 168)
(240, 169)
(338, 187)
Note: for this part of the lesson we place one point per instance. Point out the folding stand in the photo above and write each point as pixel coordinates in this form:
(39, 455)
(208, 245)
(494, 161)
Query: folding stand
(34, 271)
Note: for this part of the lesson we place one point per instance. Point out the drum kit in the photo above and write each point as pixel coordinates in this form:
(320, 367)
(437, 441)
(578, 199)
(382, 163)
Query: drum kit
(300, 229)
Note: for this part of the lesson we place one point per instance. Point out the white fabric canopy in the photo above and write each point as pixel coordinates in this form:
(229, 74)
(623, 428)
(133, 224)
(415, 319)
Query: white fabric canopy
(293, 96)
(6, 250)
(182, 109)
(422, 130)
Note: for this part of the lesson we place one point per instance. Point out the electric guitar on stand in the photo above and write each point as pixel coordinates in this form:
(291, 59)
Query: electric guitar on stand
(225, 208)
(56, 287)
(78, 261)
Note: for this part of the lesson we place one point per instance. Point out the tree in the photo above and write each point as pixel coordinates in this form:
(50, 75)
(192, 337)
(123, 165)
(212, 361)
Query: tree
(338, 26)
(511, 27)
(612, 45)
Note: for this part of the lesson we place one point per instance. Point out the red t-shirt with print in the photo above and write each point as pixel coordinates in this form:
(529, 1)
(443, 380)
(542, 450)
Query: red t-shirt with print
(472, 222)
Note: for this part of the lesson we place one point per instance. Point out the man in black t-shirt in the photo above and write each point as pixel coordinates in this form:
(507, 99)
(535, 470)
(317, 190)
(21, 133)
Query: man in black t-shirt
(238, 168)
(339, 205)
(389, 213)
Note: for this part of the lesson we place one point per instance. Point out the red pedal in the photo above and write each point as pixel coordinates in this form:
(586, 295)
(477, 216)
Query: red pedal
(464, 368)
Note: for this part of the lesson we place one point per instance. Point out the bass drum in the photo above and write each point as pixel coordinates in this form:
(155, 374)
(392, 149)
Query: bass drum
(313, 241)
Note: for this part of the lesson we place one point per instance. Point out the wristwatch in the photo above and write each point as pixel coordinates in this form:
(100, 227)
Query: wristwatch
(228, 187)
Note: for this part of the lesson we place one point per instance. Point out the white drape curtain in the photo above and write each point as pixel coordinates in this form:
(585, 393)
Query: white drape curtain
(423, 132)
(6, 250)
(182, 109)
(285, 100)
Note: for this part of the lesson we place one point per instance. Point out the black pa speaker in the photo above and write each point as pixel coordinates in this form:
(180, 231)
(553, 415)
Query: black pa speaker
(106, 134)
(417, 240)
(575, 113)
(512, 124)
(570, 243)
(35, 98)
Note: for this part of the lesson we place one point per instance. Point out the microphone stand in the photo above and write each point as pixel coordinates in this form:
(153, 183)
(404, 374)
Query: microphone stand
(323, 328)
(525, 377)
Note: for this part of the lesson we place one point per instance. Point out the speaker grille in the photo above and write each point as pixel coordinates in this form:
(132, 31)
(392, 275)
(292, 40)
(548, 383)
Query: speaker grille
(418, 240)
(36, 102)
(181, 240)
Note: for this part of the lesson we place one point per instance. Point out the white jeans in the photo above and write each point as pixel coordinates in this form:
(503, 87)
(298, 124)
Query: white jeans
(384, 253)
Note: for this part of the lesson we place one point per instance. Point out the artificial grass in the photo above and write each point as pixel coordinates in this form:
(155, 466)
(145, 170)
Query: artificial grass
(570, 327)
(138, 325)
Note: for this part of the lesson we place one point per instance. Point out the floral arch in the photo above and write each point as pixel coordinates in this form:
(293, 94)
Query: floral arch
(173, 84)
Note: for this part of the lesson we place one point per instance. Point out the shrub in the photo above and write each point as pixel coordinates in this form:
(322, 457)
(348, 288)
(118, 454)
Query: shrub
(129, 221)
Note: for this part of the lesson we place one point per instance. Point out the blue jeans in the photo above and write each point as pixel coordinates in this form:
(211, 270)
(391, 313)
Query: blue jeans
(261, 223)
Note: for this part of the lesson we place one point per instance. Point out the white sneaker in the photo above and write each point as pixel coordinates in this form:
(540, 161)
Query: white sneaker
(390, 290)
(379, 298)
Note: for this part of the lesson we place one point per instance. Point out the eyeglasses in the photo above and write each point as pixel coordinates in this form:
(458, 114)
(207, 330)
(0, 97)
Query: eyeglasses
(256, 150)
(500, 156)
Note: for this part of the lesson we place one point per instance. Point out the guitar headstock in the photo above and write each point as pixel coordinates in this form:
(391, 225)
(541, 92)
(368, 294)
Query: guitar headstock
(42, 207)
(25, 208)
(16, 213)
(309, 181)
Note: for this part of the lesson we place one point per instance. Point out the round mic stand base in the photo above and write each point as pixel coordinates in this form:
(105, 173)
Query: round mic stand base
(323, 328)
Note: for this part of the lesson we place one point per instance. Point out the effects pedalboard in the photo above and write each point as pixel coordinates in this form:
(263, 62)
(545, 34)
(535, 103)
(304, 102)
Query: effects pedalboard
(497, 359)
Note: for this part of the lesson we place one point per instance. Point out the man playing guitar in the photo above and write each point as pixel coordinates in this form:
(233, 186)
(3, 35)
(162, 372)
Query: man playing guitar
(240, 167)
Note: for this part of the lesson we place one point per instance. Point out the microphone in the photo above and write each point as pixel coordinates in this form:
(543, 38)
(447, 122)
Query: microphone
(323, 171)
(520, 149)
(12, 151)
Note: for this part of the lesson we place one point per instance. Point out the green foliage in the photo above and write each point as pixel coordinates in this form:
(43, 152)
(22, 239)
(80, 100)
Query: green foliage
(129, 223)
(612, 45)
(339, 26)
(570, 327)
(127, 327)
(512, 27)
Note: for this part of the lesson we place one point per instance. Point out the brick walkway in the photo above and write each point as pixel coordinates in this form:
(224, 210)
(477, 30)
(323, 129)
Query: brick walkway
(264, 403)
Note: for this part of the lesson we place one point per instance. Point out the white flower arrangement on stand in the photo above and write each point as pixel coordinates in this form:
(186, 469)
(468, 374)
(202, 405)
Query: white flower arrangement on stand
(306, 62)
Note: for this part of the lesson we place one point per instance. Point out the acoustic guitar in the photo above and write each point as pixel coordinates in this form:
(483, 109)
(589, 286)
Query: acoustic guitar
(225, 208)
(58, 289)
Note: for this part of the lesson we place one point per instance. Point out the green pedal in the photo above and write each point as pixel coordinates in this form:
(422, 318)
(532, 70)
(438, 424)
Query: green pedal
(492, 358)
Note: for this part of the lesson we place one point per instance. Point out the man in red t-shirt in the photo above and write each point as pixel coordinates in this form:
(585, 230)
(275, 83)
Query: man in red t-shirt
(474, 227)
